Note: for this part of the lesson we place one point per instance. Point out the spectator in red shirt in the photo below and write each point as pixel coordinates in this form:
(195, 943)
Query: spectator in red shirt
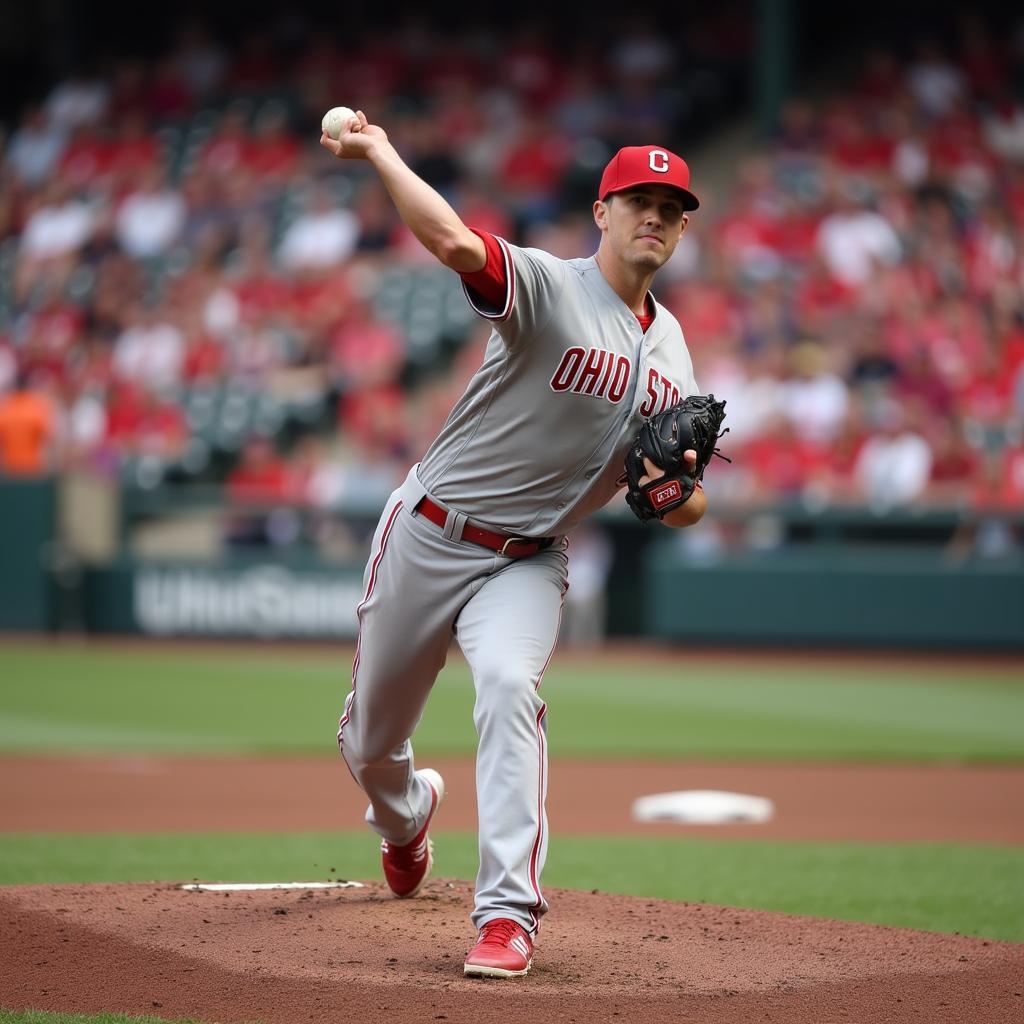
(259, 286)
(834, 478)
(820, 298)
(918, 379)
(531, 171)
(227, 149)
(708, 308)
(86, 158)
(1008, 330)
(204, 359)
(854, 144)
(51, 333)
(144, 434)
(273, 151)
(365, 351)
(954, 465)
(1013, 478)
(986, 397)
(783, 463)
(458, 112)
(475, 206)
(955, 335)
(133, 151)
(260, 477)
(1000, 484)
(377, 417)
(140, 423)
(260, 490)
(992, 251)
(748, 231)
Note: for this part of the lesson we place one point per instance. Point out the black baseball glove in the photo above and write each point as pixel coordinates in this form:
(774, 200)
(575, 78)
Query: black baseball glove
(695, 423)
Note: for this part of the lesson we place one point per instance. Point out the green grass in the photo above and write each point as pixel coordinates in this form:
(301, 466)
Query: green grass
(39, 1017)
(975, 890)
(81, 698)
(77, 697)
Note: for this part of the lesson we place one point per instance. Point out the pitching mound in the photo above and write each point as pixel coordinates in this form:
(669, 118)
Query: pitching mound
(289, 957)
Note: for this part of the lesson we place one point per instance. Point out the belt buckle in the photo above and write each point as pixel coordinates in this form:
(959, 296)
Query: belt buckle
(512, 540)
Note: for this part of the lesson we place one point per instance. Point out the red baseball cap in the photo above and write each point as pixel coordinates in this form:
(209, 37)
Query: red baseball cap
(647, 165)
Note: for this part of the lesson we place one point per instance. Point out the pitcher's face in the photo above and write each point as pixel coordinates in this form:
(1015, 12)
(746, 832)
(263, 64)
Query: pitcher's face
(642, 225)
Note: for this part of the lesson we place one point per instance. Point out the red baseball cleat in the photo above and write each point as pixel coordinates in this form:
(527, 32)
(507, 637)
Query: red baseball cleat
(407, 867)
(503, 950)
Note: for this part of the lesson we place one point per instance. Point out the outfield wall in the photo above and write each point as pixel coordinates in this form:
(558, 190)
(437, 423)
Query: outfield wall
(244, 598)
(836, 597)
(845, 578)
(789, 598)
(28, 525)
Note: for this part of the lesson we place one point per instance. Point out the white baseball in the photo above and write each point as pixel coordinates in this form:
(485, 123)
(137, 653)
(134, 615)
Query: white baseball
(336, 121)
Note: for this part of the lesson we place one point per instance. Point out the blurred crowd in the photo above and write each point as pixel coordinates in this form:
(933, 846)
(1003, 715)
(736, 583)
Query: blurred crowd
(860, 298)
(192, 289)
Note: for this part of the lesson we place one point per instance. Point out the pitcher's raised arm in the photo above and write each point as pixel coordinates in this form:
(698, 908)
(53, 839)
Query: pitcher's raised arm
(426, 213)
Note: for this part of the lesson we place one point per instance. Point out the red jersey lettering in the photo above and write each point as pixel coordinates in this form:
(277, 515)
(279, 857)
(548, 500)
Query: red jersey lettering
(661, 394)
(603, 386)
(567, 369)
(591, 371)
(620, 381)
(580, 370)
(647, 407)
(666, 390)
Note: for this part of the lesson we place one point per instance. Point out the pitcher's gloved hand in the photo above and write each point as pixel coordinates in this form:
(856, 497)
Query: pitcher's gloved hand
(694, 424)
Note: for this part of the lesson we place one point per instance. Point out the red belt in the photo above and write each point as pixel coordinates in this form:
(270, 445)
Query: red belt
(505, 544)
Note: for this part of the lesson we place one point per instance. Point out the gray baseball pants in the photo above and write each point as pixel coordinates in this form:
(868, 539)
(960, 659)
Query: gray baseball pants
(423, 585)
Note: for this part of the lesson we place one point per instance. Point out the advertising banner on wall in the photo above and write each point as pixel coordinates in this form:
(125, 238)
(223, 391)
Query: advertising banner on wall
(261, 600)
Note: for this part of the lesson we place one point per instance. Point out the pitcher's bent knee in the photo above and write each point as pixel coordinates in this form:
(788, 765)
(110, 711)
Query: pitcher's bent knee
(505, 690)
(365, 744)
(361, 754)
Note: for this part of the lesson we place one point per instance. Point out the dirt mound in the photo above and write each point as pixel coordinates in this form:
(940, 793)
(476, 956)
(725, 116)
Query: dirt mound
(288, 957)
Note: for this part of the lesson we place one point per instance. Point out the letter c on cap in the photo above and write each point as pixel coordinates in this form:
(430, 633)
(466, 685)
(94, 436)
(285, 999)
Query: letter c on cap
(658, 160)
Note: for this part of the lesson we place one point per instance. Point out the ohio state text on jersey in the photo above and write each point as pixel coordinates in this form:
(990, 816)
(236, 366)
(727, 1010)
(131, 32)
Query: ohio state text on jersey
(509, 458)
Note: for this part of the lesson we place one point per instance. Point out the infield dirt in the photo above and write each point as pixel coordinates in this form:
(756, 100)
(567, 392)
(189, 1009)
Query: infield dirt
(813, 802)
(360, 955)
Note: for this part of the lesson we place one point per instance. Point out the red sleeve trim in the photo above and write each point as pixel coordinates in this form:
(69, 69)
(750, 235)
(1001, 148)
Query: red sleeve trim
(495, 284)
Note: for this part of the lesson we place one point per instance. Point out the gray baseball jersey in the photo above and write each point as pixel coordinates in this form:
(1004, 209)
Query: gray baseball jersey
(534, 445)
(537, 441)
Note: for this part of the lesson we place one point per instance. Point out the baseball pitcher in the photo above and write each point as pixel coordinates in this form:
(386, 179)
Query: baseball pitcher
(473, 544)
